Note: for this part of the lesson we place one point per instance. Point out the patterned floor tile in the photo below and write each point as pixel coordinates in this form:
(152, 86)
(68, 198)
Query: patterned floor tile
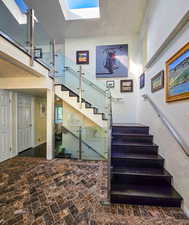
(34, 191)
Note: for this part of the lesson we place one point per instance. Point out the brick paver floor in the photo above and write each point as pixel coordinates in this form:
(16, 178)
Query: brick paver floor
(34, 191)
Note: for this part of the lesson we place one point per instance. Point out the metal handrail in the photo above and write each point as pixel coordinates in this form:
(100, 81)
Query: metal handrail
(169, 126)
(83, 142)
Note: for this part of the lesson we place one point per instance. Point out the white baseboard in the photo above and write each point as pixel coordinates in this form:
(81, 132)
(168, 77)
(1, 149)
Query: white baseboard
(186, 211)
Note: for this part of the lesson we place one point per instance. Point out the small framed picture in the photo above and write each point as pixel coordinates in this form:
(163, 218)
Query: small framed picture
(157, 82)
(110, 83)
(82, 57)
(126, 86)
(142, 80)
(38, 54)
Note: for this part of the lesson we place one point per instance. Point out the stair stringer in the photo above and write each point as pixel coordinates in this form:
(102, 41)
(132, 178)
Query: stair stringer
(88, 112)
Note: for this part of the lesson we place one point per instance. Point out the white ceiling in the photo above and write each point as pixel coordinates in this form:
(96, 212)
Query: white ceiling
(118, 17)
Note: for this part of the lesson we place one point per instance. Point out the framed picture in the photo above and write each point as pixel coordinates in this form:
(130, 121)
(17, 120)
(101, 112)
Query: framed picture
(142, 80)
(38, 54)
(157, 82)
(126, 86)
(110, 83)
(177, 75)
(82, 57)
(112, 61)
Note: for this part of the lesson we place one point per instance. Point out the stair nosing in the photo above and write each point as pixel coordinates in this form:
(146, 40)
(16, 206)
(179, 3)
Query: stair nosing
(149, 195)
(165, 173)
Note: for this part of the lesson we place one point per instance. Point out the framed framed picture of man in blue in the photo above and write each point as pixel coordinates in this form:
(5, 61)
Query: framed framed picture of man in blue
(112, 61)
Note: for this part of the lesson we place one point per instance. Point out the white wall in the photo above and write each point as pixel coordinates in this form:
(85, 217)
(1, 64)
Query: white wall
(128, 100)
(163, 21)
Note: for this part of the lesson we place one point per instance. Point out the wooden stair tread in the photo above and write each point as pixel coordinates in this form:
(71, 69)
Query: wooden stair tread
(146, 191)
(136, 156)
(141, 171)
(132, 143)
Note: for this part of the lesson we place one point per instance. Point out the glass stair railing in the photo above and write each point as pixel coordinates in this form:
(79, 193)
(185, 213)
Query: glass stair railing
(71, 76)
(81, 143)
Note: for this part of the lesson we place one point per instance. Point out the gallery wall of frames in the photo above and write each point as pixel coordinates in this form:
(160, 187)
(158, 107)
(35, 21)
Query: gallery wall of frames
(175, 77)
(112, 61)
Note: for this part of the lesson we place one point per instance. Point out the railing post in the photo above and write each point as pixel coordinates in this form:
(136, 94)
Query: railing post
(80, 143)
(31, 26)
(109, 147)
(53, 63)
(80, 86)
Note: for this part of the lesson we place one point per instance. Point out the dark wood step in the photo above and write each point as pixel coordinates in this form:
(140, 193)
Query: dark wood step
(129, 137)
(137, 160)
(142, 176)
(130, 128)
(145, 195)
(134, 147)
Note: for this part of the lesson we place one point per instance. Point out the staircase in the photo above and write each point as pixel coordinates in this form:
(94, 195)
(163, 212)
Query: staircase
(138, 174)
(87, 109)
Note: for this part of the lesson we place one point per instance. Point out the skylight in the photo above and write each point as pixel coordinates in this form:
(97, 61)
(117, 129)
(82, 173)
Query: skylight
(81, 4)
(18, 9)
(80, 9)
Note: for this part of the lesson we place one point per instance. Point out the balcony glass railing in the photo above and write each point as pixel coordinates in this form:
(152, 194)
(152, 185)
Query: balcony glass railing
(43, 43)
(11, 27)
(28, 37)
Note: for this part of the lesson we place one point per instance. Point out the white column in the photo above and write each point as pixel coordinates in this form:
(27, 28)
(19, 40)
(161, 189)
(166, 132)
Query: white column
(50, 124)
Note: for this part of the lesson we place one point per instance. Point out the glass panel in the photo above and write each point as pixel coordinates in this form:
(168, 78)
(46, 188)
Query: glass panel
(68, 75)
(94, 143)
(11, 27)
(95, 95)
(43, 42)
(66, 144)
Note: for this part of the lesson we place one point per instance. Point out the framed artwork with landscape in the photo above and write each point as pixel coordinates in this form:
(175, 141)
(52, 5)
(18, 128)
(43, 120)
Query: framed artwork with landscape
(177, 75)
(112, 61)
(157, 82)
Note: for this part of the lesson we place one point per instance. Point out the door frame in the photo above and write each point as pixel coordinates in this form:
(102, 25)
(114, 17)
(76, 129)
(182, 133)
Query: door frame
(10, 152)
(32, 121)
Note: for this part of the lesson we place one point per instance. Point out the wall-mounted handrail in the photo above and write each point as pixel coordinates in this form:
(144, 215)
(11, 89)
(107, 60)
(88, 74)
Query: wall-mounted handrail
(82, 142)
(169, 126)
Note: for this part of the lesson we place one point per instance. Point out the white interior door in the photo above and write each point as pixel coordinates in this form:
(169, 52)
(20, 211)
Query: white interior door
(24, 122)
(5, 125)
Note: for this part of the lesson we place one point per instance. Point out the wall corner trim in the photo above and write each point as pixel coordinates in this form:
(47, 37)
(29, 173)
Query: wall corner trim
(172, 35)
